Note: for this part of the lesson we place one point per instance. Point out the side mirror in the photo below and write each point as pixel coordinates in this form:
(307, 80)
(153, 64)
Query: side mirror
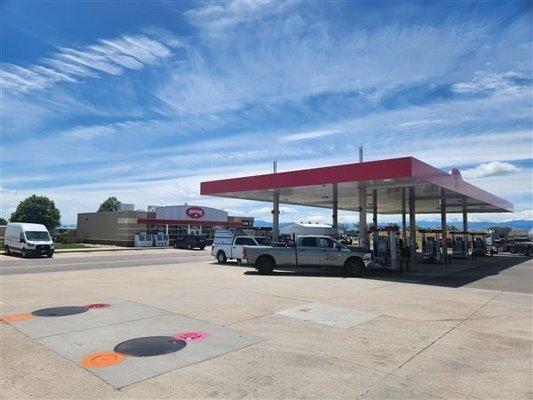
(338, 247)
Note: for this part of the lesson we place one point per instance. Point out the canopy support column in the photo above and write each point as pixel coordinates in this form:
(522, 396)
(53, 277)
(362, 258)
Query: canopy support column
(375, 235)
(465, 225)
(444, 244)
(404, 219)
(412, 226)
(275, 217)
(375, 208)
(363, 236)
(335, 204)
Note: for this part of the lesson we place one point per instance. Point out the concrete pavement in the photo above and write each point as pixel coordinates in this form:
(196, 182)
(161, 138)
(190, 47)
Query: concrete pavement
(433, 336)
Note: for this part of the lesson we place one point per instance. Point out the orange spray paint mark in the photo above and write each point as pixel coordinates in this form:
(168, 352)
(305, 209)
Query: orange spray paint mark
(100, 360)
(16, 317)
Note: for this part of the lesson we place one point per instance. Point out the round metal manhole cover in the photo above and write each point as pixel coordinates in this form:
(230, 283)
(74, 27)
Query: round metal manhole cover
(96, 306)
(150, 346)
(193, 336)
(59, 311)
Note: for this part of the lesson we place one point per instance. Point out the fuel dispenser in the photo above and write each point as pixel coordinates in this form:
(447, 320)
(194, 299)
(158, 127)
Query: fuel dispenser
(431, 250)
(479, 244)
(385, 247)
(460, 247)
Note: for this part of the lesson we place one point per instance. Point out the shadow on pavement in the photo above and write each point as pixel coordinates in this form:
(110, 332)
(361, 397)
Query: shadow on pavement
(460, 273)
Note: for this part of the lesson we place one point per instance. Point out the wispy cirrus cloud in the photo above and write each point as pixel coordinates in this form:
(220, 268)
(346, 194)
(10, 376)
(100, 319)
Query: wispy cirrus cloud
(221, 15)
(308, 135)
(486, 82)
(68, 64)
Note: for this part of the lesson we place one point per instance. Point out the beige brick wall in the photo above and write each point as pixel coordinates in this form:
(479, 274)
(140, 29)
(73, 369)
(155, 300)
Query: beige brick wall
(118, 227)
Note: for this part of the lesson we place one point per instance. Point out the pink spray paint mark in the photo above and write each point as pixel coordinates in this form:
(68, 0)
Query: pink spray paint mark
(193, 336)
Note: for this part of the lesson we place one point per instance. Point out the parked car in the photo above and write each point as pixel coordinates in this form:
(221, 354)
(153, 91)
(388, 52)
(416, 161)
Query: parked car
(229, 245)
(308, 251)
(190, 242)
(28, 240)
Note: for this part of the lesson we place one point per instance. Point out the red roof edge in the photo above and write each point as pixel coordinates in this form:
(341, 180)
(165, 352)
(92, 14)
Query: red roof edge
(454, 182)
(366, 171)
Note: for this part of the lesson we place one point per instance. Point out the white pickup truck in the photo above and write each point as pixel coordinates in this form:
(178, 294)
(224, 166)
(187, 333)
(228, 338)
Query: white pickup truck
(227, 245)
(308, 251)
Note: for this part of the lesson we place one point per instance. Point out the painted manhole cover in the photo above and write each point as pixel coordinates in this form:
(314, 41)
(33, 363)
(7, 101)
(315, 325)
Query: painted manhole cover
(59, 311)
(150, 346)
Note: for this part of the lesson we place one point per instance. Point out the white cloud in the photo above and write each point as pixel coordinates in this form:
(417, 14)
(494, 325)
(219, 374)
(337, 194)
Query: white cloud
(419, 123)
(108, 57)
(268, 210)
(222, 15)
(493, 168)
(489, 82)
(307, 135)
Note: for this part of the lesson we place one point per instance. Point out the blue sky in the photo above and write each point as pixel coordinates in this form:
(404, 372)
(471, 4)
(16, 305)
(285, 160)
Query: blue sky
(145, 100)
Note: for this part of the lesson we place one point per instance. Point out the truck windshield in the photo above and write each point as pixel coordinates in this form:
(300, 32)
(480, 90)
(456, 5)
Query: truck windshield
(37, 235)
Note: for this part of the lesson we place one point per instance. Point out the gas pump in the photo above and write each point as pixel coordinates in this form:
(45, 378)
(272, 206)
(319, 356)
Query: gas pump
(479, 244)
(431, 251)
(385, 245)
(460, 248)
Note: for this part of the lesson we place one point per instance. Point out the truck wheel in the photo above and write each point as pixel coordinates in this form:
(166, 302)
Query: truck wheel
(221, 257)
(353, 266)
(23, 253)
(265, 265)
(6, 250)
(202, 247)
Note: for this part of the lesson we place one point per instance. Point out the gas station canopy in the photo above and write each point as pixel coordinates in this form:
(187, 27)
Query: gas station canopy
(389, 178)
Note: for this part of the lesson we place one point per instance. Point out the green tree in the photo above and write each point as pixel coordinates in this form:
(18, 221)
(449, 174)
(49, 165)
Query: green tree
(3, 221)
(111, 204)
(38, 210)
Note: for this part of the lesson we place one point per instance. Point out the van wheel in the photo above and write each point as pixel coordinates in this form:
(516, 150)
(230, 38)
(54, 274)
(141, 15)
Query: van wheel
(353, 266)
(265, 265)
(23, 253)
(221, 257)
(6, 250)
(202, 247)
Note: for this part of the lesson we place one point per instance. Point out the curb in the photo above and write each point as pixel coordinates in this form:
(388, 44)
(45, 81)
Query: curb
(93, 250)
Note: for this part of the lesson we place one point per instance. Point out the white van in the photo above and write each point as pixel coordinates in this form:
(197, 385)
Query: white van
(28, 240)
(229, 245)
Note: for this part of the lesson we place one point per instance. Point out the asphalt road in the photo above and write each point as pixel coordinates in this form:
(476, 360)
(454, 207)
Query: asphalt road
(508, 273)
(13, 265)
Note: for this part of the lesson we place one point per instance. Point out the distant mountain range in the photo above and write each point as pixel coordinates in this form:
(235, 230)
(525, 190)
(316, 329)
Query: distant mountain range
(517, 225)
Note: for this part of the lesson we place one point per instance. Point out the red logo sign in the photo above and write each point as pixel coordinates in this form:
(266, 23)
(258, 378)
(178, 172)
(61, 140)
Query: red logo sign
(195, 212)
